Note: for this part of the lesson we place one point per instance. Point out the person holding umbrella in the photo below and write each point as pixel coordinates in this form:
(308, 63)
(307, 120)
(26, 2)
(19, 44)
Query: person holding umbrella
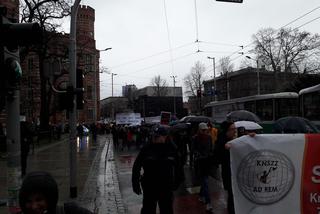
(203, 149)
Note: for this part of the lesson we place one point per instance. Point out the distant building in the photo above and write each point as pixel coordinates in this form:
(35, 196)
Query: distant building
(149, 104)
(244, 83)
(154, 91)
(127, 90)
(112, 105)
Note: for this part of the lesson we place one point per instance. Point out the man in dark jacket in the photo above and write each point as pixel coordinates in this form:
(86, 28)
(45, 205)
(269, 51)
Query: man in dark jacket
(25, 141)
(162, 174)
(39, 195)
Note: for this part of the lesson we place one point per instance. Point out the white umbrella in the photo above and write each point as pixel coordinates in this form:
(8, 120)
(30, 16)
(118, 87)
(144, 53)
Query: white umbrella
(248, 125)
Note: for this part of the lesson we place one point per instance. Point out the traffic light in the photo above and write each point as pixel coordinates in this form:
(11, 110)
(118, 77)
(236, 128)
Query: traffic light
(65, 100)
(199, 93)
(80, 89)
(13, 35)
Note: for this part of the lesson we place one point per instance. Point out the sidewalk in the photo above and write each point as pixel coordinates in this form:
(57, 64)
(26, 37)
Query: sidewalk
(54, 158)
(101, 193)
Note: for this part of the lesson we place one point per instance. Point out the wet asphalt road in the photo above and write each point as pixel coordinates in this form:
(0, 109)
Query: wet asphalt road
(186, 197)
(104, 178)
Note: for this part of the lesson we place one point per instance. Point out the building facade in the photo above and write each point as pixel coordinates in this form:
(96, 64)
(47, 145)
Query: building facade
(56, 68)
(149, 104)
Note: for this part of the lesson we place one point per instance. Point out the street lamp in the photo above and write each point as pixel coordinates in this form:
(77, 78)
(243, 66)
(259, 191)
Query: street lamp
(258, 72)
(214, 76)
(112, 74)
(105, 49)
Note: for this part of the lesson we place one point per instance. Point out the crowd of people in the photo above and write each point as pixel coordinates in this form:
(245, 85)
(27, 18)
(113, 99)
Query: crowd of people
(165, 152)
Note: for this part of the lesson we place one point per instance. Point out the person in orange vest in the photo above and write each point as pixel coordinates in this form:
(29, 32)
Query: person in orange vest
(213, 132)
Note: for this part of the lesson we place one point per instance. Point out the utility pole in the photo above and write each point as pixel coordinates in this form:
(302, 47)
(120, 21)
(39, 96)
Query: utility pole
(112, 74)
(258, 73)
(112, 104)
(73, 111)
(200, 100)
(174, 95)
(214, 77)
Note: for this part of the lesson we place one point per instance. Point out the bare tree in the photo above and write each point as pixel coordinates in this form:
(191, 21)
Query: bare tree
(287, 50)
(49, 14)
(161, 86)
(225, 65)
(193, 81)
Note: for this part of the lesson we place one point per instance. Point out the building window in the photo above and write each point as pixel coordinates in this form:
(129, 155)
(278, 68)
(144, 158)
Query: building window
(89, 92)
(90, 114)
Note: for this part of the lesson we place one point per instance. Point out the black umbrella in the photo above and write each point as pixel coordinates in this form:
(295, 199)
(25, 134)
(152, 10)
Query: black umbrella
(242, 115)
(294, 125)
(185, 119)
(179, 127)
(198, 119)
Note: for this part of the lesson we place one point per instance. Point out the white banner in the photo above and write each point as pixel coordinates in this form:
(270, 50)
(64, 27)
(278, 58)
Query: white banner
(276, 174)
(128, 119)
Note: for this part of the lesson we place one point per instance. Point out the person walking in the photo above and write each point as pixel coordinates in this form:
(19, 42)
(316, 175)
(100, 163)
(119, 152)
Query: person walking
(161, 176)
(203, 149)
(39, 194)
(26, 139)
(222, 155)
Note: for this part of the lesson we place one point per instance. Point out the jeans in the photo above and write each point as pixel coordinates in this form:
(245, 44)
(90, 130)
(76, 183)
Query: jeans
(204, 190)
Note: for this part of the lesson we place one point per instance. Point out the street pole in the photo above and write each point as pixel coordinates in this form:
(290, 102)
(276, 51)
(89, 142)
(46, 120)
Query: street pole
(112, 105)
(214, 77)
(112, 74)
(228, 86)
(73, 111)
(258, 76)
(13, 149)
(174, 95)
(200, 101)
(258, 73)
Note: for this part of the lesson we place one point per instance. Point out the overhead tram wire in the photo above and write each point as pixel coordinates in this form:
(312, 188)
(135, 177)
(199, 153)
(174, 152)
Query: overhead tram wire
(161, 63)
(196, 23)
(308, 22)
(300, 17)
(219, 44)
(151, 56)
(168, 32)
(286, 25)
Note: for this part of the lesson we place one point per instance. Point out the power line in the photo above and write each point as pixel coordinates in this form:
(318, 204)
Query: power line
(165, 62)
(289, 23)
(300, 17)
(196, 22)
(220, 44)
(150, 56)
(308, 22)
(168, 32)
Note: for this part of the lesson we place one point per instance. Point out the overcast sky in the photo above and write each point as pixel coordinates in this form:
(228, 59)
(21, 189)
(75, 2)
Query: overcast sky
(136, 29)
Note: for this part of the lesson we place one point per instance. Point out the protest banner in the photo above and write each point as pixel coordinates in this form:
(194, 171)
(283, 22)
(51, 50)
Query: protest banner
(128, 119)
(276, 174)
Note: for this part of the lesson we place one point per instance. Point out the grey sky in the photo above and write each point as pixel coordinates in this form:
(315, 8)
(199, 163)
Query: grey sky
(137, 28)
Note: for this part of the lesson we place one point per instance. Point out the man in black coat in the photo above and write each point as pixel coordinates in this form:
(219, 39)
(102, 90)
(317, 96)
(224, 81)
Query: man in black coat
(26, 139)
(162, 173)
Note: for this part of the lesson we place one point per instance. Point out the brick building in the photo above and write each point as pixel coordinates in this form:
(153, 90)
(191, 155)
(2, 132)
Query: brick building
(56, 69)
(12, 8)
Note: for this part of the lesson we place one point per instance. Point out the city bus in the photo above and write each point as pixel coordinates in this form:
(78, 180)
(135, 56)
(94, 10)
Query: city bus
(310, 104)
(268, 107)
